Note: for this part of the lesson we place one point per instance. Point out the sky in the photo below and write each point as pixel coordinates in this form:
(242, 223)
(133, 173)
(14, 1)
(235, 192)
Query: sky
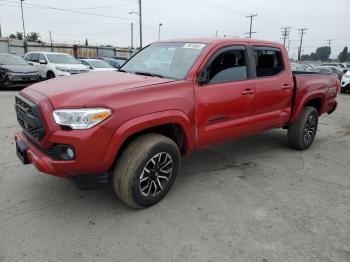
(108, 22)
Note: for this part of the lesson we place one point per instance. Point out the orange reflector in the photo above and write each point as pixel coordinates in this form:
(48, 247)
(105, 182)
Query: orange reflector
(102, 115)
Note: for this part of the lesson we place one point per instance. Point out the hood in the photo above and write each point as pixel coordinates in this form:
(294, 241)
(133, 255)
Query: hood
(71, 66)
(20, 68)
(91, 88)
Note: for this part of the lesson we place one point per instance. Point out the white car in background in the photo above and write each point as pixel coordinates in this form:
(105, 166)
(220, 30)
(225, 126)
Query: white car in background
(97, 65)
(345, 82)
(51, 65)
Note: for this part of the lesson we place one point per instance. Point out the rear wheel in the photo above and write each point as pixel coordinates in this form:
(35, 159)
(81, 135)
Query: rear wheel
(146, 170)
(342, 90)
(302, 133)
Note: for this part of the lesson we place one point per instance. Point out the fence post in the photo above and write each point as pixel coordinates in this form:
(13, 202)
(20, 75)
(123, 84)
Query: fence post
(75, 51)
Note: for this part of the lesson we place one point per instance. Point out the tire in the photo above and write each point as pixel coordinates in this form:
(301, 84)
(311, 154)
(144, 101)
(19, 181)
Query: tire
(302, 133)
(50, 75)
(146, 161)
(342, 90)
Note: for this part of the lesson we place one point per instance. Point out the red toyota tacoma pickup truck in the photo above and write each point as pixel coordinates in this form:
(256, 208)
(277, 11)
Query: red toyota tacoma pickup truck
(171, 98)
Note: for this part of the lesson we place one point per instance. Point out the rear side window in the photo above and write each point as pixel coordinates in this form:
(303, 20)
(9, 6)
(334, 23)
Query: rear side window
(228, 66)
(268, 62)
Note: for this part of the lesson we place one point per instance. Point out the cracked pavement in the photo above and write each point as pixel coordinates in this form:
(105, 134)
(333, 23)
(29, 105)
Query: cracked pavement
(253, 199)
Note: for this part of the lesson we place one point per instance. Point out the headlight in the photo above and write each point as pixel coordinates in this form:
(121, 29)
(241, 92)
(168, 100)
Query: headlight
(62, 69)
(347, 76)
(81, 118)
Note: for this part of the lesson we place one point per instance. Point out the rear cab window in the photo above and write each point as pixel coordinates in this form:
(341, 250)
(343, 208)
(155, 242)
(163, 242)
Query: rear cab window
(268, 61)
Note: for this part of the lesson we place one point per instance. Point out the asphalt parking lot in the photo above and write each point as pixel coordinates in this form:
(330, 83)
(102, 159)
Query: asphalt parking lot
(253, 199)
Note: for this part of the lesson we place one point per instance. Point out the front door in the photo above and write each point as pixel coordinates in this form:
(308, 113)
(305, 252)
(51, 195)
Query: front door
(224, 94)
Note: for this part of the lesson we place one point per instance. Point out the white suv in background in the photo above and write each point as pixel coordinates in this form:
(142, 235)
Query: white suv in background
(51, 65)
(345, 82)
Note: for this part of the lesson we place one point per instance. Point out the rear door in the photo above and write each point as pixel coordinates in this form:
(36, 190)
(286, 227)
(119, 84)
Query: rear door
(274, 89)
(224, 96)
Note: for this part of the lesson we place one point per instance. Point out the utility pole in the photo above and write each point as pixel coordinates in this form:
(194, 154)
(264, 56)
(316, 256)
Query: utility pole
(24, 30)
(251, 25)
(288, 45)
(330, 42)
(0, 30)
(285, 34)
(216, 33)
(51, 40)
(140, 21)
(159, 25)
(302, 32)
(132, 36)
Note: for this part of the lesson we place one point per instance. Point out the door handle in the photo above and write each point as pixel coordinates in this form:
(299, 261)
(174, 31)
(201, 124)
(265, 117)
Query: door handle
(286, 87)
(247, 92)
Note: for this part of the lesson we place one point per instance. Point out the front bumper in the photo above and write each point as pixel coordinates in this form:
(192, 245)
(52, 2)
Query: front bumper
(19, 80)
(345, 83)
(90, 148)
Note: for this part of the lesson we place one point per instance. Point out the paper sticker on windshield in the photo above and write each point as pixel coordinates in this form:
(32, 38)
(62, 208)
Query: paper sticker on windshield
(194, 46)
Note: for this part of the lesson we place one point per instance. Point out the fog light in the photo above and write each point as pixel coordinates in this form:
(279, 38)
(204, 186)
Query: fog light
(61, 152)
(70, 153)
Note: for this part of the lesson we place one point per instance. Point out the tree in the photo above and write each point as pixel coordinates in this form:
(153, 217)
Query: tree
(33, 37)
(323, 52)
(17, 35)
(314, 57)
(305, 57)
(343, 55)
(86, 42)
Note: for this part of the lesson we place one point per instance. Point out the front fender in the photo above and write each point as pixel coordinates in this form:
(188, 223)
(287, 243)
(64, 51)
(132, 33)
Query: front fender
(144, 122)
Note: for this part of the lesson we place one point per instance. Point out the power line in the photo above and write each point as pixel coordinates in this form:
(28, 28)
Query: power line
(69, 10)
(251, 25)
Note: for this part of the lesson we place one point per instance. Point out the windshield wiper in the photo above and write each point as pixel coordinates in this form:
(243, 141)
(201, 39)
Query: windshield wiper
(122, 70)
(148, 74)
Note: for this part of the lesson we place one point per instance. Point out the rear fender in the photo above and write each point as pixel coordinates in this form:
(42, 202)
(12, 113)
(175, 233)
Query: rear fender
(144, 122)
(301, 104)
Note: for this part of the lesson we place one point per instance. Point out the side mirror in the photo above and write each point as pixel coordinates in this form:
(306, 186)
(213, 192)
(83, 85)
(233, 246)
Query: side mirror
(42, 62)
(203, 78)
(345, 71)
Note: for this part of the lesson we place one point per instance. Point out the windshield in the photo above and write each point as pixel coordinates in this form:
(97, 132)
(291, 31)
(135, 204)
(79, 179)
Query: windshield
(62, 59)
(12, 60)
(99, 64)
(170, 60)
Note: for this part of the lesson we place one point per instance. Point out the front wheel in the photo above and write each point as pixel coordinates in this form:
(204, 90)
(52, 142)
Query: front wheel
(146, 170)
(302, 133)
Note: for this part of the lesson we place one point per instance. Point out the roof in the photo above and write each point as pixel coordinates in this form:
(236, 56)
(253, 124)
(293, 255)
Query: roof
(215, 40)
(46, 52)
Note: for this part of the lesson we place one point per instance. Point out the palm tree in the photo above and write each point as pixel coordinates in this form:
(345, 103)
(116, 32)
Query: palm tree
(33, 37)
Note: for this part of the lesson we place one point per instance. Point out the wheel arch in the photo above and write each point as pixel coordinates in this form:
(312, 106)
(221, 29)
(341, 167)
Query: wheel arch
(173, 124)
(316, 100)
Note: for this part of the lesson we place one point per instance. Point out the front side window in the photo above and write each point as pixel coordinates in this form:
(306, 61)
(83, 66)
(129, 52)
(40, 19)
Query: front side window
(170, 60)
(228, 66)
(34, 57)
(268, 62)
